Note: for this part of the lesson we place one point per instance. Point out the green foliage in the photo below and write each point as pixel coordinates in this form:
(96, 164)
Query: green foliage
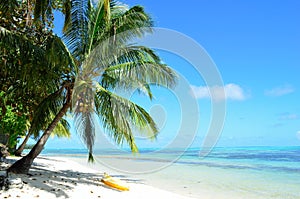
(120, 116)
(14, 122)
(37, 12)
(24, 56)
(33, 62)
(43, 11)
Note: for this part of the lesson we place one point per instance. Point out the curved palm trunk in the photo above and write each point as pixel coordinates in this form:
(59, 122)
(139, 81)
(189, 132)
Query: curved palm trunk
(23, 165)
(19, 151)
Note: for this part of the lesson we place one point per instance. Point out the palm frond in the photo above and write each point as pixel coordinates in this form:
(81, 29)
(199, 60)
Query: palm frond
(67, 12)
(115, 82)
(85, 126)
(91, 158)
(76, 35)
(106, 6)
(43, 115)
(99, 19)
(39, 9)
(62, 129)
(135, 20)
(60, 58)
(7, 7)
(21, 58)
(54, 61)
(120, 117)
(13, 40)
(124, 26)
(145, 72)
(138, 68)
(117, 8)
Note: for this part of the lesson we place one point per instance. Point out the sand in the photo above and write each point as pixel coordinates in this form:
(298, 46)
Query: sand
(55, 177)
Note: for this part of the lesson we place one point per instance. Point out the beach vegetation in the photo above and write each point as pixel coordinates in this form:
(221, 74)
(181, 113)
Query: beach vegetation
(94, 59)
(12, 122)
(29, 71)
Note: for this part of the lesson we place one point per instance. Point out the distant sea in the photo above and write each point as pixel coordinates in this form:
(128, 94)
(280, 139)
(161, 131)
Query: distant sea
(245, 172)
(273, 159)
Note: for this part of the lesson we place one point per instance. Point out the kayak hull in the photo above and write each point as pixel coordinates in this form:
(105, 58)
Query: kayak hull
(115, 183)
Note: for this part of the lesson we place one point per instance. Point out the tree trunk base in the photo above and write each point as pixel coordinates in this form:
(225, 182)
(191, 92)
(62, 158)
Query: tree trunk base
(3, 181)
(18, 154)
(21, 166)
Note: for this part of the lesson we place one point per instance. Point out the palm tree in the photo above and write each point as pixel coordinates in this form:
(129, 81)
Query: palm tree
(98, 39)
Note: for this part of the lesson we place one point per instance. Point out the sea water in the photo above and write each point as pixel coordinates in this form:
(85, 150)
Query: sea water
(226, 172)
(251, 172)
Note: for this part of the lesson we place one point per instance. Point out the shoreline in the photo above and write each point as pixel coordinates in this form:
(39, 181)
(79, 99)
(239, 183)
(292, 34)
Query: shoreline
(56, 177)
(70, 175)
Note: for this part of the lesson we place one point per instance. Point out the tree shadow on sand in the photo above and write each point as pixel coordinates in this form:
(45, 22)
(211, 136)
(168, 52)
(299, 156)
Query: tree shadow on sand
(59, 182)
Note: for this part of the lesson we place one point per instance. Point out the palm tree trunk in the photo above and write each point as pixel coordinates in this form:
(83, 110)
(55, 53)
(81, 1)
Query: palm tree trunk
(19, 151)
(23, 165)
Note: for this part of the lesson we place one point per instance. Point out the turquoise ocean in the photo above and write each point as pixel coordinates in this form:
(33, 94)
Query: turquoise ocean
(237, 172)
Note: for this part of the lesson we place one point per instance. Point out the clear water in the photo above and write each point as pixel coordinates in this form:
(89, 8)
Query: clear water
(271, 159)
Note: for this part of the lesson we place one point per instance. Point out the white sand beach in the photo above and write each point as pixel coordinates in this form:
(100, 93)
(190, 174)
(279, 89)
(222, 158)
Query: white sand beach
(53, 177)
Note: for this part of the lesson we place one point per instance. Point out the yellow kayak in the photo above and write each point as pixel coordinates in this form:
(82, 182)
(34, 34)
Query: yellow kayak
(114, 183)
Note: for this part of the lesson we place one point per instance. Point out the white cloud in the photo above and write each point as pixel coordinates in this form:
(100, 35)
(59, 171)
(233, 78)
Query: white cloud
(229, 91)
(200, 92)
(280, 91)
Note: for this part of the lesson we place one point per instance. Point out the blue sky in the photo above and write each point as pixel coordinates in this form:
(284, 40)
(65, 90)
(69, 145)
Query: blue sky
(256, 48)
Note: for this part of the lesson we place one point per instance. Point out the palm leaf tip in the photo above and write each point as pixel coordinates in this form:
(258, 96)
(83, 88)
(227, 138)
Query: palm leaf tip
(91, 158)
(134, 148)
